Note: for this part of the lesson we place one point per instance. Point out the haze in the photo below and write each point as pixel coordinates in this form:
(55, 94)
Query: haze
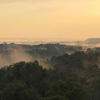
(49, 18)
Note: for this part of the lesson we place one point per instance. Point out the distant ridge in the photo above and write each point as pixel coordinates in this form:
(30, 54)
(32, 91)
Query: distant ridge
(93, 40)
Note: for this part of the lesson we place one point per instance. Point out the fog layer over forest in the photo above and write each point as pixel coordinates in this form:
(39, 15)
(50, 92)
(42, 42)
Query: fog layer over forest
(13, 53)
(14, 56)
(49, 72)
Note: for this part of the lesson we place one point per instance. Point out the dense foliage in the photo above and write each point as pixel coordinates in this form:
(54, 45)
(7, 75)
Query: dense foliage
(39, 51)
(70, 77)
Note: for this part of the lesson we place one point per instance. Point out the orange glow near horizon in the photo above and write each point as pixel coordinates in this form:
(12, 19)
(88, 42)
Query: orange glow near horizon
(50, 19)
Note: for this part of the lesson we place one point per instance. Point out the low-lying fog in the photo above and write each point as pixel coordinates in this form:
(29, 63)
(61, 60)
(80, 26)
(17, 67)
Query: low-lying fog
(16, 55)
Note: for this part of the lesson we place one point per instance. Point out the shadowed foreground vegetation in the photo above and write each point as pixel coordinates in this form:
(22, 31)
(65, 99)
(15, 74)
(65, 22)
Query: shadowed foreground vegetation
(71, 77)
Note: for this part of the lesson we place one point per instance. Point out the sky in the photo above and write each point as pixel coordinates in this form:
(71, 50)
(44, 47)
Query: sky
(78, 19)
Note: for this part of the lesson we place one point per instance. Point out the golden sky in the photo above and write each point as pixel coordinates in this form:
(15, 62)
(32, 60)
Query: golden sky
(49, 19)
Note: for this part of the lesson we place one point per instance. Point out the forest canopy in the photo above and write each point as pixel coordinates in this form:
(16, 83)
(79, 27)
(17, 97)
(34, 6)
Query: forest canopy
(70, 77)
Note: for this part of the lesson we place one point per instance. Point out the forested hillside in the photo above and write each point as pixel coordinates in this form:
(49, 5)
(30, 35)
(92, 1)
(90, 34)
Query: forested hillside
(69, 77)
(41, 50)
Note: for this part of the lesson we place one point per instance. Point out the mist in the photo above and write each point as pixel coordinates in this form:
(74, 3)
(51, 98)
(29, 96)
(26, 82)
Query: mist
(14, 56)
